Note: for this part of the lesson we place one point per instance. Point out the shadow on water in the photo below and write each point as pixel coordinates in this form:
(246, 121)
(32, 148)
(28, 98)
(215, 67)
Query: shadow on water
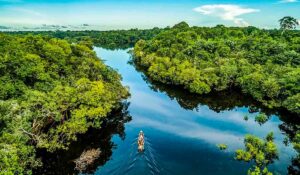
(226, 101)
(62, 162)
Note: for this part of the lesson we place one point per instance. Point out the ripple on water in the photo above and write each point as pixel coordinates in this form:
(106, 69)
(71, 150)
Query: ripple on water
(145, 161)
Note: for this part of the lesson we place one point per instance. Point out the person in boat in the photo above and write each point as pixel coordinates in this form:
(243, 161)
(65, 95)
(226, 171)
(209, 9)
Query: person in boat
(141, 141)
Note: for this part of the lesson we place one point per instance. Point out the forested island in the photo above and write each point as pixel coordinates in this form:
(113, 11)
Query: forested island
(262, 63)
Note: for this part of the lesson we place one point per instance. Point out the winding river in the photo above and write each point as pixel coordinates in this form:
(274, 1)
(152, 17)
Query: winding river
(181, 130)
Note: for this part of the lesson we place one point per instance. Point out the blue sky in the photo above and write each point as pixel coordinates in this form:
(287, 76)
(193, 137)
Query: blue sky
(119, 14)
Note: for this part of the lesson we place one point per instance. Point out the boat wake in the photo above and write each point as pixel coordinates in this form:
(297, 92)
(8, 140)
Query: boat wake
(144, 161)
(137, 162)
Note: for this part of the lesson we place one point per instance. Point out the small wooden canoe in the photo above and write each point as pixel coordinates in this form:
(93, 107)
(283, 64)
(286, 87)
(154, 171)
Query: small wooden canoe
(141, 142)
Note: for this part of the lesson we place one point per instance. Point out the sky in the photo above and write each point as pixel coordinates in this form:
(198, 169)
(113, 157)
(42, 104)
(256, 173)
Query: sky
(124, 14)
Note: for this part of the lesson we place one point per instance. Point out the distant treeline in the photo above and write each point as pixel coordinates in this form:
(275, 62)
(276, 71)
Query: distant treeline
(262, 63)
(115, 39)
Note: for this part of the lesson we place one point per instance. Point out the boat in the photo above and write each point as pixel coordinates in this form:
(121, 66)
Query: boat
(141, 142)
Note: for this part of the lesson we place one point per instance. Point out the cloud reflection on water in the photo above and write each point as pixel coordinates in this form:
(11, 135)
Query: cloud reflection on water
(159, 114)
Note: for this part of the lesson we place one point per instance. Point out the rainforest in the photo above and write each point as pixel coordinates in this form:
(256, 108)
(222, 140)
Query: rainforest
(55, 89)
(143, 93)
(51, 91)
(264, 64)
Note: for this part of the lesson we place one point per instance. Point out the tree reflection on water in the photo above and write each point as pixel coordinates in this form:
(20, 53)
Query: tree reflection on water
(228, 100)
(62, 162)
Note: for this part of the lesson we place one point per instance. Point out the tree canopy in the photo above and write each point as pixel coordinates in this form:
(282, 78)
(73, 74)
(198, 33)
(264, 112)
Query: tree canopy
(262, 63)
(51, 91)
(288, 23)
(114, 39)
(262, 152)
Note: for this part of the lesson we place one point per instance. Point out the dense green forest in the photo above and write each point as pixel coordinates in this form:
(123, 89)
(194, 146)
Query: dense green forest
(53, 87)
(51, 90)
(262, 63)
(115, 39)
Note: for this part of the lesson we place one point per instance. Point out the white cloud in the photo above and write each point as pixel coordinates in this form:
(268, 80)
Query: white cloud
(288, 1)
(228, 12)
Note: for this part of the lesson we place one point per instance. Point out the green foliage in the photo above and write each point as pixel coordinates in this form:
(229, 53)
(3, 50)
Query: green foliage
(261, 118)
(246, 118)
(261, 152)
(222, 146)
(288, 23)
(261, 63)
(293, 103)
(296, 144)
(15, 154)
(257, 171)
(51, 91)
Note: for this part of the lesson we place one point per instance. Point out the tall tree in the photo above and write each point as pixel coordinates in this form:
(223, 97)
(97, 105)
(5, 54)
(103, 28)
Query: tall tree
(288, 23)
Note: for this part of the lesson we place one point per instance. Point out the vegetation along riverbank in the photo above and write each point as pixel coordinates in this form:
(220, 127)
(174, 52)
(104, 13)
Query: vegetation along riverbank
(51, 91)
(262, 63)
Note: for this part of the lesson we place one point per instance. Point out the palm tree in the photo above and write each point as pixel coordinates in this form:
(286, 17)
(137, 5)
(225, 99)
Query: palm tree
(288, 23)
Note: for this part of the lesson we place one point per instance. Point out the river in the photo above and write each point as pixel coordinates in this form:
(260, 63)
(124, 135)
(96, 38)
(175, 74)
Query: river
(181, 130)
(181, 140)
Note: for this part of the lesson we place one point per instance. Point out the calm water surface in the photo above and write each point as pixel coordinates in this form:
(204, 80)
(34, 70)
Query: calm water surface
(182, 130)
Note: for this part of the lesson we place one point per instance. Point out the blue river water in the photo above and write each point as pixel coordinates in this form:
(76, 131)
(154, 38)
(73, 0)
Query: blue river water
(181, 138)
